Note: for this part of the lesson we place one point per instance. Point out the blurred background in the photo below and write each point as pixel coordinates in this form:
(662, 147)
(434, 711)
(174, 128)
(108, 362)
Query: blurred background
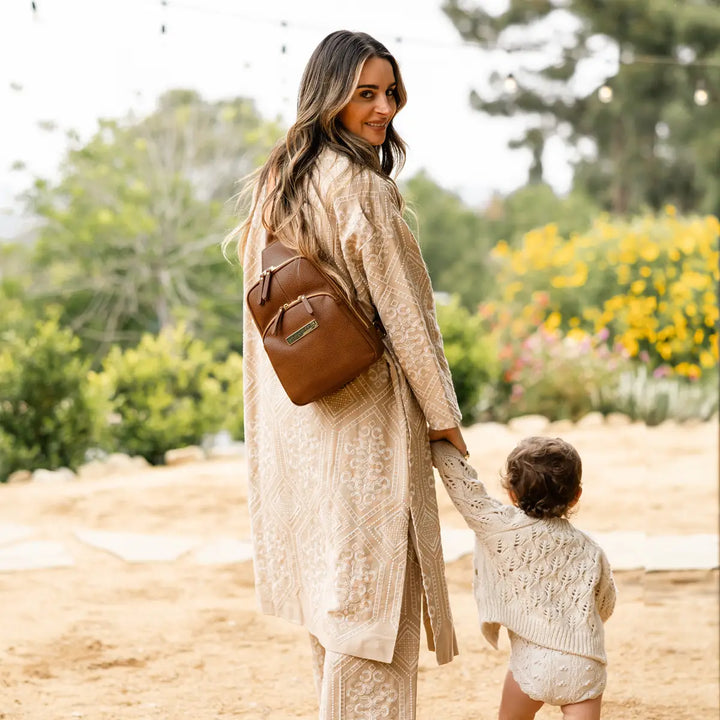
(563, 166)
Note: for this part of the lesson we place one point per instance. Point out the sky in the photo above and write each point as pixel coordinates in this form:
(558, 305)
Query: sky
(74, 61)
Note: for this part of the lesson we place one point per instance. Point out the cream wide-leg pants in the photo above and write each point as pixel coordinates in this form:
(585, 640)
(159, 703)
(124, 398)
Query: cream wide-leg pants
(354, 688)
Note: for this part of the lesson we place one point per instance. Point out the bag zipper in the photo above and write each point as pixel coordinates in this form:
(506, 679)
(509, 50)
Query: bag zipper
(305, 300)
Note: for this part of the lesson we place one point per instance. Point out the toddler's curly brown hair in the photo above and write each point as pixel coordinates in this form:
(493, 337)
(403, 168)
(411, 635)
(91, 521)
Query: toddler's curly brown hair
(543, 475)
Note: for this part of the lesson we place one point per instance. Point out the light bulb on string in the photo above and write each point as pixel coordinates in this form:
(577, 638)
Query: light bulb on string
(163, 26)
(605, 94)
(283, 47)
(510, 84)
(700, 96)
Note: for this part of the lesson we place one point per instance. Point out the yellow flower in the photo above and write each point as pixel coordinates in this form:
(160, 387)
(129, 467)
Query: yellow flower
(706, 359)
(553, 320)
(637, 287)
(698, 337)
(650, 251)
(711, 316)
(686, 242)
(670, 210)
(501, 249)
(512, 289)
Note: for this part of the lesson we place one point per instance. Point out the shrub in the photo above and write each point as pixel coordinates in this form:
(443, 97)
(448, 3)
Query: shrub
(558, 376)
(470, 355)
(648, 282)
(49, 416)
(169, 392)
(652, 399)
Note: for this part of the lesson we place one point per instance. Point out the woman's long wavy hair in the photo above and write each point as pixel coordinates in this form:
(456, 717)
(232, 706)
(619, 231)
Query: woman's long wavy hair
(328, 83)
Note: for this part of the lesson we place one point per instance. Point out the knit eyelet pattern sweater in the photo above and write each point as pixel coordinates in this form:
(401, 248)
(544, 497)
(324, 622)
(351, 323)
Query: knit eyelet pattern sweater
(543, 579)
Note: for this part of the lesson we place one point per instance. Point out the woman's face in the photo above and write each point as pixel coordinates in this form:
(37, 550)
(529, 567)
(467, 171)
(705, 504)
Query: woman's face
(373, 103)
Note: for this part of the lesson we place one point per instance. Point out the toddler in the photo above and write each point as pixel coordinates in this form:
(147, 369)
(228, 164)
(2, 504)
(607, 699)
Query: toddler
(548, 583)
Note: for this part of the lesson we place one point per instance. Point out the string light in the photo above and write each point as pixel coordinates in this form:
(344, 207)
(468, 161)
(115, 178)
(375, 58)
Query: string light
(701, 96)
(605, 94)
(627, 56)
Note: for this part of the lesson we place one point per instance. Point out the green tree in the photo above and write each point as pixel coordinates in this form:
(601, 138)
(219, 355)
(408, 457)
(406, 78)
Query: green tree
(535, 205)
(471, 355)
(454, 240)
(651, 144)
(169, 391)
(49, 414)
(131, 237)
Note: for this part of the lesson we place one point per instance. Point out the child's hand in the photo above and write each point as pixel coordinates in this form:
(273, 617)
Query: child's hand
(453, 436)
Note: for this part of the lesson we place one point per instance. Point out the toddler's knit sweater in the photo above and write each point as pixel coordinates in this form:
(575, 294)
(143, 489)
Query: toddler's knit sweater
(543, 579)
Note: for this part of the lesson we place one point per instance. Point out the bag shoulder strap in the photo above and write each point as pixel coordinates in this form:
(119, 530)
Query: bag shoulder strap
(275, 252)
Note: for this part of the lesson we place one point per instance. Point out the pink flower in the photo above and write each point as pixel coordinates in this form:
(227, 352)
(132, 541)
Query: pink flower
(603, 334)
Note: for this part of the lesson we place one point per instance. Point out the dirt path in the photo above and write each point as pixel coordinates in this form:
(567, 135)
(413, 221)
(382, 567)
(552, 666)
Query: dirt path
(110, 640)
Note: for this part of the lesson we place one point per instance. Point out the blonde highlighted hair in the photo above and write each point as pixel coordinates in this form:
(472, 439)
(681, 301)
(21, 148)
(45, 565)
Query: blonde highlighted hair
(327, 85)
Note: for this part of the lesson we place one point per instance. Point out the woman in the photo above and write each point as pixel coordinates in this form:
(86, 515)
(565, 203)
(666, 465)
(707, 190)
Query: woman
(342, 497)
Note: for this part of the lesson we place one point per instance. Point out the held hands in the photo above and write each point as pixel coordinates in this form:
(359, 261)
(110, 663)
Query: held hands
(453, 436)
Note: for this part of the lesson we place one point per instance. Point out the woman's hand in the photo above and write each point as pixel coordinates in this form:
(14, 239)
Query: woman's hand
(453, 436)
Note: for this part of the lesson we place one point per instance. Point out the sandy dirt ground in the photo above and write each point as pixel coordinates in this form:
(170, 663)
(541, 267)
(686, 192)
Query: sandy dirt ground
(107, 639)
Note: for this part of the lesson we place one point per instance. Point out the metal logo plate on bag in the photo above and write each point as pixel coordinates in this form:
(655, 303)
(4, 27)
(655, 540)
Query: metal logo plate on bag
(301, 332)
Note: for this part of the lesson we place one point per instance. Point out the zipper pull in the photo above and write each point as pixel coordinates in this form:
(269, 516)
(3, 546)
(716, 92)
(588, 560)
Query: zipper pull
(276, 322)
(307, 305)
(265, 287)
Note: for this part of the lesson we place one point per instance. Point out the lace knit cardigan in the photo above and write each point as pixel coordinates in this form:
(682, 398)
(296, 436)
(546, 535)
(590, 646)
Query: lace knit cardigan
(543, 579)
(337, 487)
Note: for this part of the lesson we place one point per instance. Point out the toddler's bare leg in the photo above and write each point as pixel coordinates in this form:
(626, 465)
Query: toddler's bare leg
(515, 704)
(586, 710)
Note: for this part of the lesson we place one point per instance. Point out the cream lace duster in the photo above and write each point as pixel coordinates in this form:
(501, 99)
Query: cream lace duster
(338, 486)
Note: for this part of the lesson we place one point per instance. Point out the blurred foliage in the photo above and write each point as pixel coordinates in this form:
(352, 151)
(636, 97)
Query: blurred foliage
(49, 415)
(131, 232)
(456, 240)
(453, 238)
(536, 205)
(651, 144)
(473, 363)
(648, 283)
(642, 396)
(169, 392)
